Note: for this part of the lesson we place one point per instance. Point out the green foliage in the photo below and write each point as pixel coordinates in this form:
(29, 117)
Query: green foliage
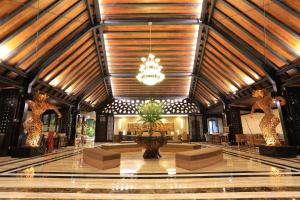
(150, 114)
(90, 131)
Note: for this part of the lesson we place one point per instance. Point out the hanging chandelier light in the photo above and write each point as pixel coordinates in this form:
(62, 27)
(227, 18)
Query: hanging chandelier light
(150, 70)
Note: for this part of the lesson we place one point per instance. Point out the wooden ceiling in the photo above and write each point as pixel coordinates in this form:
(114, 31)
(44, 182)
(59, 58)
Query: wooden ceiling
(127, 39)
(86, 51)
(246, 45)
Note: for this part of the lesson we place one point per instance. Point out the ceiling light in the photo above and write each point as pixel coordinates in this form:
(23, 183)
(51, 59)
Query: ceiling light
(54, 82)
(69, 90)
(249, 80)
(150, 69)
(4, 51)
(297, 49)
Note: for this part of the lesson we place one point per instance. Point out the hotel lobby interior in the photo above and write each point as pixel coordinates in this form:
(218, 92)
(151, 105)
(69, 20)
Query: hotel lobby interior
(149, 99)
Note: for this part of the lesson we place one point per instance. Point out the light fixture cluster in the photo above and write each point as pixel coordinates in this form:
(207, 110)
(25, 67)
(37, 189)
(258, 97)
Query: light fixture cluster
(150, 71)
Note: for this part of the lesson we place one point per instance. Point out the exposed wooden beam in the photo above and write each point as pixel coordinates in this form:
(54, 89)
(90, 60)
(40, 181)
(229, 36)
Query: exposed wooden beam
(133, 75)
(135, 57)
(155, 21)
(103, 62)
(153, 15)
(69, 64)
(273, 19)
(220, 70)
(96, 38)
(56, 89)
(241, 46)
(9, 81)
(55, 52)
(286, 7)
(126, 32)
(86, 59)
(153, 39)
(14, 13)
(211, 86)
(203, 48)
(253, 37)
(199, 40)
(236, 57)
(295, 65)
(12, 69)
(203, 17)
(50, 38)
(292, 80)
(29, 22)
(203, 10)
(78, 73)
(211, 11)
(41, 31)
(260, 27)
(147, 4)
(90, 87)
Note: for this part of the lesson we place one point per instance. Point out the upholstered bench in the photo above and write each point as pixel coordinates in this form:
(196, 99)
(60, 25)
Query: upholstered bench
(195, 159)
(100, 158)
(126, 147)
(175, 147)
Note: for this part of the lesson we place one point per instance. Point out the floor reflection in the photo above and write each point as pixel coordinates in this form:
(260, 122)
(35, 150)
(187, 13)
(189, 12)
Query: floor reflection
(64, 173)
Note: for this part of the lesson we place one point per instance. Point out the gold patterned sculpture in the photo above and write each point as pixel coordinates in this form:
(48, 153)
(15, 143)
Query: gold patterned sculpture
(33, 125)
(269, 122)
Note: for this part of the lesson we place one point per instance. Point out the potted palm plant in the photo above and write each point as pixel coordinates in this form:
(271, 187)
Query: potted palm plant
(151, 114)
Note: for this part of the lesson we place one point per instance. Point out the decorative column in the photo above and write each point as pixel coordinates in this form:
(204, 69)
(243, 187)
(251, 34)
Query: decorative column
(74, 115)
(232, 119)
(65, 120)
(204, 124)
(101, 128)
(195, 122)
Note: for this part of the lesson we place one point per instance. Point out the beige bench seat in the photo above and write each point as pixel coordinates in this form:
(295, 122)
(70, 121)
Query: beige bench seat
(175, 147)
(121, 148)
(195, 159)
(100, 158)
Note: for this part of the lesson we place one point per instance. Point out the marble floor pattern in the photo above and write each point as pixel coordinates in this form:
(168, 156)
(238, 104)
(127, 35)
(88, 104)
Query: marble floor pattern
(62, 175)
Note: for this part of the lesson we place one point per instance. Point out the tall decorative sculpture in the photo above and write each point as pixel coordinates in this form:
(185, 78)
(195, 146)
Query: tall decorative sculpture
(33, 125)
(269, 122)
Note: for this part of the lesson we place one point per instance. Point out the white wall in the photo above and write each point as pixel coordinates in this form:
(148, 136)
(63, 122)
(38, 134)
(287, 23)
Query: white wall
(250, 123)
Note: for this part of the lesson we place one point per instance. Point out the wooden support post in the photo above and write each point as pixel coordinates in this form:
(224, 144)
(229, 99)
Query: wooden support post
(74, 116)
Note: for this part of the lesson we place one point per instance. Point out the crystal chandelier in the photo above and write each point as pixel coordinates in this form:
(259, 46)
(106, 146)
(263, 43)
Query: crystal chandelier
(150, 70)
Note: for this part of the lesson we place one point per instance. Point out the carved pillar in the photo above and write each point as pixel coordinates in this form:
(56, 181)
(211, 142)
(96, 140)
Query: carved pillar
(232, 119)
(65, 120)
(74, 116)
(101, 128)
(195, 124)
(204, 123)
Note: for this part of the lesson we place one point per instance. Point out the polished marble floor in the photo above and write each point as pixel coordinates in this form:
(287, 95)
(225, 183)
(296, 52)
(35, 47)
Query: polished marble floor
(62, 175)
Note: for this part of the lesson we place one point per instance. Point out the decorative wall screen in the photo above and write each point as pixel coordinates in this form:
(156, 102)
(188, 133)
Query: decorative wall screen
(9, 103)
(170, 106)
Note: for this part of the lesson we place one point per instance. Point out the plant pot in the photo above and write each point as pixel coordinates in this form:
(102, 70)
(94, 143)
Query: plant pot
(152, 145)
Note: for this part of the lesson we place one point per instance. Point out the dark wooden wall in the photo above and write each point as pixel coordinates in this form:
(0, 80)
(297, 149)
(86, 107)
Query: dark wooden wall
(292, 116)
(11, 109)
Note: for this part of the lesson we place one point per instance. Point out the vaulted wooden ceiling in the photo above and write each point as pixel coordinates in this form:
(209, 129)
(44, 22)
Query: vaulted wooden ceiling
(88, 50)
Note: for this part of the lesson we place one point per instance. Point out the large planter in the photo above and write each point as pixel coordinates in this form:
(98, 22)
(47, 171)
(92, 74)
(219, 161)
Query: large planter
(152, 145)
(278, 151)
